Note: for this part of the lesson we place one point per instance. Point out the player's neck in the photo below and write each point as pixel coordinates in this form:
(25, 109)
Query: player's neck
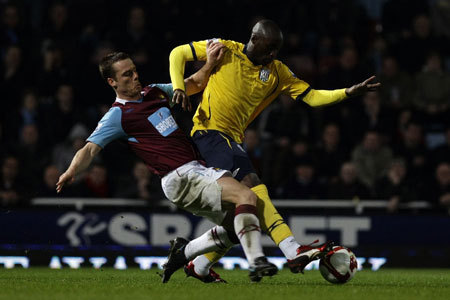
(129, 97)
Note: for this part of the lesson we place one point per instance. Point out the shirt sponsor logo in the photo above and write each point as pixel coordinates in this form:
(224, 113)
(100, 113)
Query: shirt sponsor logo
(264, 74)
(163, 121)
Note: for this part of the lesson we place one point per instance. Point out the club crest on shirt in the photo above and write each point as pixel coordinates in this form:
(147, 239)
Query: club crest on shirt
(264, 74)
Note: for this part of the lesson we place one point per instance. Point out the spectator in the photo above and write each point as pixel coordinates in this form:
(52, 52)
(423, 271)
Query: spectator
(303, 185)
(442, 152)
(395, 186)
(12, 188)
(96, 183)
(439, 189)
(433, 87)
(374, 117)
(12, 27)
(47, 187)
(397, 92)
(53, 70)
(422, 40)
(285, 121)
(371, 159)
(32, 152)
(62, 114)
(12, 78)
(412, 148)
(64, 152)
(330, 154)
(28, 113)
(347, 185)
(143, 185)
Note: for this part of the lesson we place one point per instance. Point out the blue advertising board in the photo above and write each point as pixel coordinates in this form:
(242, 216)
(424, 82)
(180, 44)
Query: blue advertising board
(122, 232)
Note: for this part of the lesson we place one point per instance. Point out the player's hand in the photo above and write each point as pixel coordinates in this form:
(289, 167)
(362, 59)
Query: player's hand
(63, 179)
(214, 52)
(180, 96)
(363, 87)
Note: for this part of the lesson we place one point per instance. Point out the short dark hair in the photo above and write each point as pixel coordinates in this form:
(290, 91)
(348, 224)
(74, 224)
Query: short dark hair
(105, 65)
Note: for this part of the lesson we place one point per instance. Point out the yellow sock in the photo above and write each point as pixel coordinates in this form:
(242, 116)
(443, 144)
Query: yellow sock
(271, 221)
(214, 256)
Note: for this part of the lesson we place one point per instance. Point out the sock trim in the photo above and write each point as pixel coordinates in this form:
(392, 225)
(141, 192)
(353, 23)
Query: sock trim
(246, 209)
(217, 239)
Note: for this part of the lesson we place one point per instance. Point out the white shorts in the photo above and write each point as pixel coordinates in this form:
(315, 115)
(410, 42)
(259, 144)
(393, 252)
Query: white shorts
(193, 187)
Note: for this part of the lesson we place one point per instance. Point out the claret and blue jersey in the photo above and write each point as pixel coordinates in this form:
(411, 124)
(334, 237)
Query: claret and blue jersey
(149, 128)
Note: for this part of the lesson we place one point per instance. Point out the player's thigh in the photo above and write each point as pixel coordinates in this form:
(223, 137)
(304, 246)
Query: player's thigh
(214, 148)
(235, 192)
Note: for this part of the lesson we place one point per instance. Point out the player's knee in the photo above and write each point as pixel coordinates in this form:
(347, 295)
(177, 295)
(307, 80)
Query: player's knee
(251, 180)
(247, 197)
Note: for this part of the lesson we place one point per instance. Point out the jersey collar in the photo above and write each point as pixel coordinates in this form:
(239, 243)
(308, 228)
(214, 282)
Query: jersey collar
(123, 101)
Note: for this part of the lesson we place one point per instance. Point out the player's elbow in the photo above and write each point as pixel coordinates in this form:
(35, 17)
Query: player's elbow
(176, 54)
(92, 149)
(194, 86)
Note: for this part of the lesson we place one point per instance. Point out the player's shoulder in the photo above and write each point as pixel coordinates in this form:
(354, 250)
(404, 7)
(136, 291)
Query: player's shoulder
(233, 45)
(114, 113)
(282, 68)
(279, 64)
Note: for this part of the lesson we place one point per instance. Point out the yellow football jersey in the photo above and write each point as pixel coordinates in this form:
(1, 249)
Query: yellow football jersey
(238, 90)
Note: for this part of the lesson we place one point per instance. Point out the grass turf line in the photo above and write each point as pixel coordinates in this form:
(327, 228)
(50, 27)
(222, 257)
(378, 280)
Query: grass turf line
(68, 284)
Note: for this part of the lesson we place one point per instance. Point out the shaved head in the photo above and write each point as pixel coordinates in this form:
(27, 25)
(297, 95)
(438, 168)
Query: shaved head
(267, 29)
(265, 42)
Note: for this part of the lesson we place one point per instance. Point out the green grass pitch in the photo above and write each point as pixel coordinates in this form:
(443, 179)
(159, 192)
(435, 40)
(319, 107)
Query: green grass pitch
(67, 284)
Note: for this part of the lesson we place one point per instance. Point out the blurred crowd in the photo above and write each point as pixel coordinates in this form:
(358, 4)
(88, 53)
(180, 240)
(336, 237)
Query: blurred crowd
(393, 144)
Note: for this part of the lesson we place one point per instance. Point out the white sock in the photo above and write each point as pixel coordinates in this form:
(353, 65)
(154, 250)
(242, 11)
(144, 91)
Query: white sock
(202, 265)
(214, 239)
(289, 247)
(246, 226)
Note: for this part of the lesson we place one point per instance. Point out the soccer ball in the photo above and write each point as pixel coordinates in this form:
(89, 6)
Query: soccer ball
(339, 265)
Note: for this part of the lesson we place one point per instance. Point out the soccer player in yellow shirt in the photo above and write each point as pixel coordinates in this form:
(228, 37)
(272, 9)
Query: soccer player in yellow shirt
(246, 81)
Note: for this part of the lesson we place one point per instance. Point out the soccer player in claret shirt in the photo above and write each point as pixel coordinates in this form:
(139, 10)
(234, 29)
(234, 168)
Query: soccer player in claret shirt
(143, 118)
(246, 81)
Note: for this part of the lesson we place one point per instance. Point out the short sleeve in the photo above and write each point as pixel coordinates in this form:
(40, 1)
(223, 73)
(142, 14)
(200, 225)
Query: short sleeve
(109, 128)
(290, 84)
(199, 48)
(165, 87)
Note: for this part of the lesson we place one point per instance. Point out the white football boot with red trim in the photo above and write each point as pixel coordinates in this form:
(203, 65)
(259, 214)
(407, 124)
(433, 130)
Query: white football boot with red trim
(211, 277)
(308, 253)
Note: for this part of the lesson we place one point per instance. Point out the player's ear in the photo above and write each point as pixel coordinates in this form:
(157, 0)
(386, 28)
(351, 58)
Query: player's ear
(112, 82)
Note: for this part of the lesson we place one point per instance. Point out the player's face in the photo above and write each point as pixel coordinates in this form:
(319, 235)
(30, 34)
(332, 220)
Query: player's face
(264, 50)
(126, 83)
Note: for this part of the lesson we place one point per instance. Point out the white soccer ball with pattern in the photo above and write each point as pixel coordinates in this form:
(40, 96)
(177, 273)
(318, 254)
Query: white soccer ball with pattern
(339, 265)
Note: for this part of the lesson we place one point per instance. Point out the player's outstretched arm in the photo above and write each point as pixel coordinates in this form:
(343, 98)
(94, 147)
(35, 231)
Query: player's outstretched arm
(325, 97)
(80, 162)
(363, 87)
(197, 81)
